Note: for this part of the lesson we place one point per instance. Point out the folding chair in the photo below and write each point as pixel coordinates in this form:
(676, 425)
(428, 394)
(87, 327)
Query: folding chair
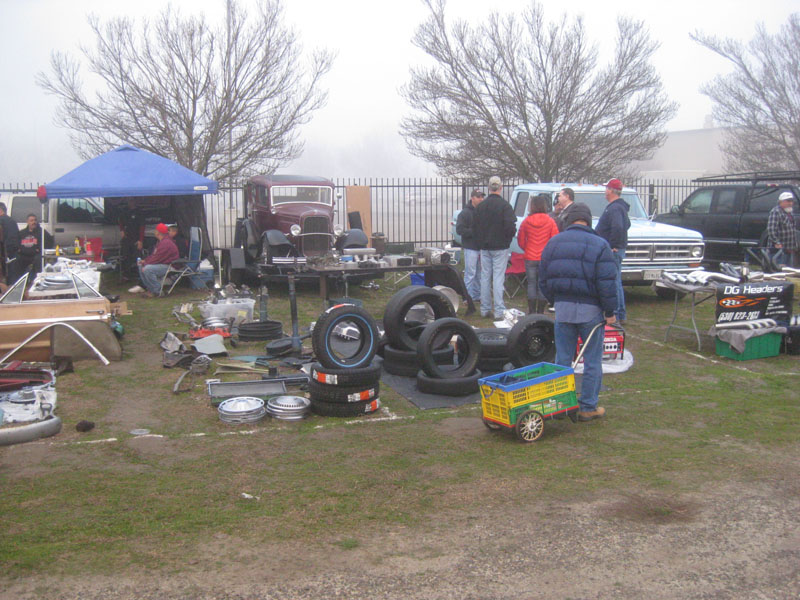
(185, 267)
(516, 279)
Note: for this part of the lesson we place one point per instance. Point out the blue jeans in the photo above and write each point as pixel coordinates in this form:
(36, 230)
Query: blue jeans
(534, 293)
(151, 276)
(566, 343)
(472, 282)
(621, 313)
(493, 279)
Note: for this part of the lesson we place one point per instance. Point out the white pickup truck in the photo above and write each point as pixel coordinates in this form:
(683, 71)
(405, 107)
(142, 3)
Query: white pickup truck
(65, 218)
(652, 247)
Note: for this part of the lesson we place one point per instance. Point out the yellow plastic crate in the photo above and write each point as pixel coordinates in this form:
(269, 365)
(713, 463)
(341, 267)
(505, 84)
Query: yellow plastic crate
(503, 392)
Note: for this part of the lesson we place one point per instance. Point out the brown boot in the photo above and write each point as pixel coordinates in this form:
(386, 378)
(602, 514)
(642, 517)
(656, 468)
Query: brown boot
(597, 413)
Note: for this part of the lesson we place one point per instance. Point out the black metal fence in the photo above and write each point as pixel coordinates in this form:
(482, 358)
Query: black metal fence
(406, 210)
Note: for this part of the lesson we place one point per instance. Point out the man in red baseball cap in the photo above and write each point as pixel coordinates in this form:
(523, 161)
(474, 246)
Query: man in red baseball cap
(613, 227)
(153, 268)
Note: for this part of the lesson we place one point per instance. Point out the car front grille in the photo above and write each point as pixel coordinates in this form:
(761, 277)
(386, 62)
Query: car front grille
(661, 253)
(313, 245)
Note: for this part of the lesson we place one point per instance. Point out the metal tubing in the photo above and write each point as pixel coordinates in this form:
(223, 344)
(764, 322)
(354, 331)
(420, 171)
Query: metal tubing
(45, 328)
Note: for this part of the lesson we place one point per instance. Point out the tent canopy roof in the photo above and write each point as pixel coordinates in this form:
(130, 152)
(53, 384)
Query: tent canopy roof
(128, 172)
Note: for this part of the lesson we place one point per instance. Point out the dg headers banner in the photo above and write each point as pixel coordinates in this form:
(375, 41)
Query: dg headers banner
(755, 300)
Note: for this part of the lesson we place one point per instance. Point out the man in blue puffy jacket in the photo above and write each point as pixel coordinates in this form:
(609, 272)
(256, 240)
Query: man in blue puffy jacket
(578, 276)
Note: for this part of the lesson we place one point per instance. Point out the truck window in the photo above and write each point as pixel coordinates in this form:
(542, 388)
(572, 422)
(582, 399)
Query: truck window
(727, 202)
(22, 206)
(764, 199)
(78, 210)
(699, 202)
(521, 206)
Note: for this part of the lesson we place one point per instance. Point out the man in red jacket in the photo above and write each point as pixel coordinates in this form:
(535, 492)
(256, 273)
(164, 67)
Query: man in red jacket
(153, 268)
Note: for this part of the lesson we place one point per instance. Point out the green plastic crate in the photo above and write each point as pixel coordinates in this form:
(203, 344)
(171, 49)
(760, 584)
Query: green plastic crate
(761, 346)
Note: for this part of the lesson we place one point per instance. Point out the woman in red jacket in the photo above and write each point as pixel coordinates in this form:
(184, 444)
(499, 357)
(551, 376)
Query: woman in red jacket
(534, 233)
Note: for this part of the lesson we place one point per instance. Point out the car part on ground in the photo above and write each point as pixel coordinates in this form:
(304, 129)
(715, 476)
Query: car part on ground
(458, 386)
(340, 354)
(494, 343)
(351, 376)
(466, 342)
(97, 352)
(349, 409)
(405, 362)
(220, 390)
(342, 394)
(532, 340)
(30, 432)
(288, 408)
(401, 303)
(242, 409)
(258, 331)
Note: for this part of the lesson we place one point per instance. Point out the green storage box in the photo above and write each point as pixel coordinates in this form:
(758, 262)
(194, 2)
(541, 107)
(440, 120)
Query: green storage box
(761, 346)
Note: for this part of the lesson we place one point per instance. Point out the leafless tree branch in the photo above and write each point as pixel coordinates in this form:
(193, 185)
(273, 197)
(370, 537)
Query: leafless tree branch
(520, 97)
(223, 105)
(760, 100)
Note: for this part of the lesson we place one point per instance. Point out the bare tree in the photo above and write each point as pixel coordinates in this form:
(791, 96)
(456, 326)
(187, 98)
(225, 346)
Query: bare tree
(224, 103)
(519, 97)
(760, 100)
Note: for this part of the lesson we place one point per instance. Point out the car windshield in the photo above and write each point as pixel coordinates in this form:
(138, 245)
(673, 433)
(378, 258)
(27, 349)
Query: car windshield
(597, 202)
(305, 193)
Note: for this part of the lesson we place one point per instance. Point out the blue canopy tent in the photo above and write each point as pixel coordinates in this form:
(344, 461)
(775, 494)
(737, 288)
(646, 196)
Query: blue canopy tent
(138, 179)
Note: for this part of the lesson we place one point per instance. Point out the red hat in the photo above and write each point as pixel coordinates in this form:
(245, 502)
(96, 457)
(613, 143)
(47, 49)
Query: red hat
(161, 228)
(614, 184)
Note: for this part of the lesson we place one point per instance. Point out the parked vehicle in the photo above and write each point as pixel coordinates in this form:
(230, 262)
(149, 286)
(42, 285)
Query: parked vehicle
(65, 218)
(289, 218)
(652, 247)
(732, 212)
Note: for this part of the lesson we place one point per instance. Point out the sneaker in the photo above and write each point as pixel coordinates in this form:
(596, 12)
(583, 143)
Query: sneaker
(551, 309)
(137, 289)
(485, 315)
(592, 414)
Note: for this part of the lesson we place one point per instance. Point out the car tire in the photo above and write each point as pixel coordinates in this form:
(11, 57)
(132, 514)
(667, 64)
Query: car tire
(532, 340)
(493, 365)
(494, 343)
(400, 303)
(446, 328)
(405, 363)
(350, 409)
(460, 386)
(324, 330)
(339, 394)
(364, 376)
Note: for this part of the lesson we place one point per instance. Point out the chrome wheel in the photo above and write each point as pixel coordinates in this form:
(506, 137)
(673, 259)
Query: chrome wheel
(530, 426)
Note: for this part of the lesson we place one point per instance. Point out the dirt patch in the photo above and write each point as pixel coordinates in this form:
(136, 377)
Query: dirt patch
(462, 426)
(653, 508)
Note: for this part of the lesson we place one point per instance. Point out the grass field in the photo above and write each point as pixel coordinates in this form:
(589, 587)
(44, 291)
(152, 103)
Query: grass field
(678, 422)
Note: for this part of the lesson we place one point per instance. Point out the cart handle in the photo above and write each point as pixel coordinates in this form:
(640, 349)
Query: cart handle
(586, 342)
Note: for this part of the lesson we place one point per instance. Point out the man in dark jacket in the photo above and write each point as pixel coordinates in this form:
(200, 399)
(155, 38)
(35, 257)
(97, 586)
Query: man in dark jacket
(30, 251)
(577, 275)
(9, 237)
(566, 200)
(497, 225)
(613, 227)
(464, 227)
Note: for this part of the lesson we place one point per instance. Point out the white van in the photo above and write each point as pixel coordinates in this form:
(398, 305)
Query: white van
(65, 218)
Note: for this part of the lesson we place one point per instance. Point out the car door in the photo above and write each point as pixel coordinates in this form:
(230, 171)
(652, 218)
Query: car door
(722, 227)
(80, 217)
(520, 204)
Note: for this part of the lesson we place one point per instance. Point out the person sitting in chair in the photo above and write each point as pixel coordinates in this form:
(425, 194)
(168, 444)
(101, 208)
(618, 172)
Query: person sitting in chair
(153, 268)
(181, 242)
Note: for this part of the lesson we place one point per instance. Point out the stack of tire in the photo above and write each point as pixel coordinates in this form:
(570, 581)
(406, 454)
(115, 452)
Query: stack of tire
(401, 335)
(460, 378)
(345, 386)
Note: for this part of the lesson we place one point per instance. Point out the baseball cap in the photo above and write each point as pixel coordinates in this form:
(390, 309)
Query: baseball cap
(786, 196)
(161, 228)
(579, 211)
(614, 184)
(171, 225)
(476, 193)
(494, 180)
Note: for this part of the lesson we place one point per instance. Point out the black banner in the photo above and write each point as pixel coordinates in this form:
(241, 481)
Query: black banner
(755, 300)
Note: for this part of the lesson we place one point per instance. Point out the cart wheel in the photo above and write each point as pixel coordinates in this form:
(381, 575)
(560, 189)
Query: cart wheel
(491, 425)
(530, 426)
(573, 415)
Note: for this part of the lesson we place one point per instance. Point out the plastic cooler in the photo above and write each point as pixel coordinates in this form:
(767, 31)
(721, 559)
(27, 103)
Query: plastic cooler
(762, 346)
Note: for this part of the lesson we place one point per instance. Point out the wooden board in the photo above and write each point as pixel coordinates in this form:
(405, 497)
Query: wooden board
(359, 200)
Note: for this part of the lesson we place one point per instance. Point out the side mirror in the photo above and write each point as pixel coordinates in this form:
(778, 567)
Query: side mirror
(675, 210)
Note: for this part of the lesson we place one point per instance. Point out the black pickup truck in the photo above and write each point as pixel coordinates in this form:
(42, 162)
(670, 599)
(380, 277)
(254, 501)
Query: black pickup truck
(731, 211)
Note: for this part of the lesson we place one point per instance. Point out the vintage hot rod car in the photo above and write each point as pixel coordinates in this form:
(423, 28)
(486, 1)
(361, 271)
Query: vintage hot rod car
(288, 219)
